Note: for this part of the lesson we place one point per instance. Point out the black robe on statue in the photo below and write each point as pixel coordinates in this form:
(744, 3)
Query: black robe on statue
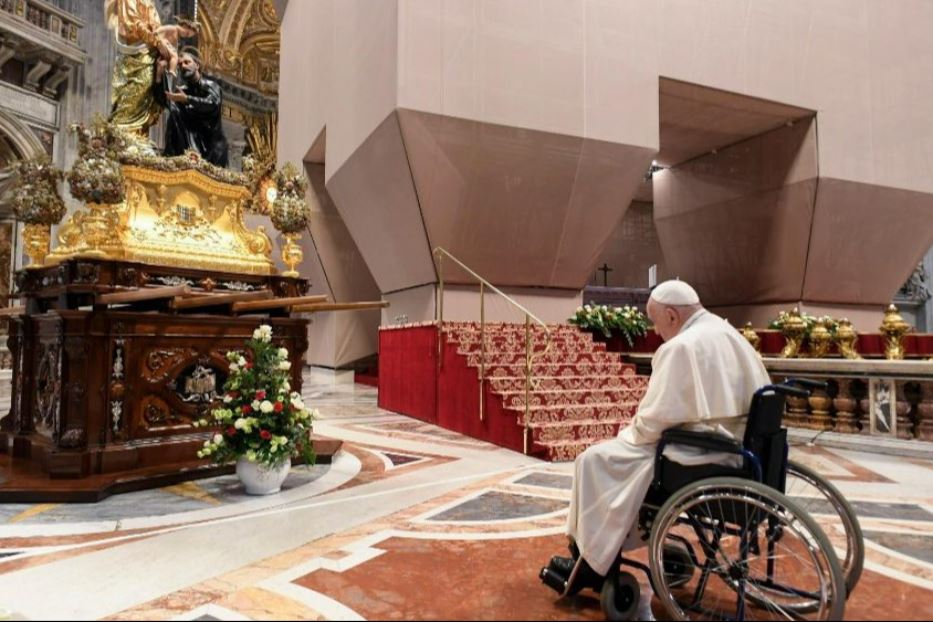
(195, 125)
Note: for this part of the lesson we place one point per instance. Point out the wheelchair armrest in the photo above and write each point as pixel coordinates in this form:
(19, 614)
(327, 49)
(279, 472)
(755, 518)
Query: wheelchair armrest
(702, 440)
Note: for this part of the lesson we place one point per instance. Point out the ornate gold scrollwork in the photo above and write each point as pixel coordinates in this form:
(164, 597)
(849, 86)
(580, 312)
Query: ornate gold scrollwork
(175, 218)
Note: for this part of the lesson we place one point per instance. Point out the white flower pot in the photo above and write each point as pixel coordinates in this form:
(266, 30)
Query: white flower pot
(259, 479)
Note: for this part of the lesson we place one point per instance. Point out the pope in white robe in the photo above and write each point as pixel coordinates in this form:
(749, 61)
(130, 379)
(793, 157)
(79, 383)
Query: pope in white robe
(703, 378)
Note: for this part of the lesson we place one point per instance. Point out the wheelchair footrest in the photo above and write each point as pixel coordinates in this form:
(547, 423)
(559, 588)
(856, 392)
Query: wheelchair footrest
(553, 580)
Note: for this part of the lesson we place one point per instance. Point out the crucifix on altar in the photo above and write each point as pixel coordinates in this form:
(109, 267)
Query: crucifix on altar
(605, 269)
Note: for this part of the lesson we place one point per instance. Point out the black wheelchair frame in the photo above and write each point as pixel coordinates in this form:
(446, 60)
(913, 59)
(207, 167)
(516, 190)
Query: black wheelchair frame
(764, 450)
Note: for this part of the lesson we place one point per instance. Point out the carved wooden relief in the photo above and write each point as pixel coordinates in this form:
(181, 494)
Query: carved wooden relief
(156, 415)
(161, 361)
(47, 415)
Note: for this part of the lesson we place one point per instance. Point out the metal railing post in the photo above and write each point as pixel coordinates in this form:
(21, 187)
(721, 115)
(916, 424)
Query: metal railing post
(530, 356)
(527, 380)
(439, 310)
(482, 349)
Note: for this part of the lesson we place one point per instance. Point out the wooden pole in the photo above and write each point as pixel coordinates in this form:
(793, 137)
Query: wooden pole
(276, 303)
(139, 295)
(340, 306)
(214, 300)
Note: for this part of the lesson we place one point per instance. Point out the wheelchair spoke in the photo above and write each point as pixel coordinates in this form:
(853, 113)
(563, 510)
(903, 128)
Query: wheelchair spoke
(762, 557)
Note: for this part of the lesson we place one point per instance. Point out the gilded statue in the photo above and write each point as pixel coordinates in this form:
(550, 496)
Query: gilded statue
(135, 24)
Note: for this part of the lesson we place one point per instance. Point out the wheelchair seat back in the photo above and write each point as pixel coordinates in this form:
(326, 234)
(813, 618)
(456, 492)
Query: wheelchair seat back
(764, 438)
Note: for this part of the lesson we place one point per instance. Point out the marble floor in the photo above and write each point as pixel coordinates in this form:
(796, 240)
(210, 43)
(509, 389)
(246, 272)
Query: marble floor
(409, 522)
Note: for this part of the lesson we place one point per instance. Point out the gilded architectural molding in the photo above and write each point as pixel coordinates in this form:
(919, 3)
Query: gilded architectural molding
(240, 40)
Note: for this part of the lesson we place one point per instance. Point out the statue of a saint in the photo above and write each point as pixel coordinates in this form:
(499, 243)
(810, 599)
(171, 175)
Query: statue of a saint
(195, 110)
(135, 24)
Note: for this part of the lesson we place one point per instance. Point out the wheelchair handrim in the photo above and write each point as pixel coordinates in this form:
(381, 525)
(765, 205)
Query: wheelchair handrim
(769, 503)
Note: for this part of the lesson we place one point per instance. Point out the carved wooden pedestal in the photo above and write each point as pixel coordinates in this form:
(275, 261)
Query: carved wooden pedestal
(101, 391)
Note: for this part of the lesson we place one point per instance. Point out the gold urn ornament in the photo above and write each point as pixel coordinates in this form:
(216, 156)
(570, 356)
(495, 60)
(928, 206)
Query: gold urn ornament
(793, 328)
(820, 339)
(291, 213)
(292, 254)
(846, 338)
(893, 327)
(36, 239)
(37, 203)
(749, 333)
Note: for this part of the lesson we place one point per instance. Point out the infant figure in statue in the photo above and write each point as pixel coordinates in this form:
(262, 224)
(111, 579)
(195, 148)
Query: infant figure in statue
(167, 38)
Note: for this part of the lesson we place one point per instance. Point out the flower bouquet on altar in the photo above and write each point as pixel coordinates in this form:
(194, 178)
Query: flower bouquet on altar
(626, 321)
(263, 423)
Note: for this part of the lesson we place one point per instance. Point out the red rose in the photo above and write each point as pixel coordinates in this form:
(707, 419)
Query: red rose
(278, 407)
(265, 434)
(231, 431)
(247, 409)
(249, 366)
(260, 395)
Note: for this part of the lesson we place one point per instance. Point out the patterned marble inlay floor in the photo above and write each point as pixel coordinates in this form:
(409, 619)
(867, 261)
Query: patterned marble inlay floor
(407, 509)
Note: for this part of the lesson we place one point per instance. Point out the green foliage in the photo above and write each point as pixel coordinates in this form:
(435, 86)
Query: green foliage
(261, 419)
(626, 321)
(809, 322)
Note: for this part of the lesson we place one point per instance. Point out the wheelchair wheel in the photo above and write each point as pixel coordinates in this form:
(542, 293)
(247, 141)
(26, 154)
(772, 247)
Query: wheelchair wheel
(835, 515)
(678, 563)
(619, 597)
(758, 555)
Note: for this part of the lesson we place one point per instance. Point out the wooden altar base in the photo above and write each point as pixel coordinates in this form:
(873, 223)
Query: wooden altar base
(110, 375)
(23, 480)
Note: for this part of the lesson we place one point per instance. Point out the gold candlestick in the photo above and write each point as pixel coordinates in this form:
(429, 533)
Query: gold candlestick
(893, 327)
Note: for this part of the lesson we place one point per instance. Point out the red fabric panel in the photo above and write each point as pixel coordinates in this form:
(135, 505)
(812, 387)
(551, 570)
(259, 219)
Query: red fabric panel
(408, 371)
(458, 404)
(921, 344)
(649, 343)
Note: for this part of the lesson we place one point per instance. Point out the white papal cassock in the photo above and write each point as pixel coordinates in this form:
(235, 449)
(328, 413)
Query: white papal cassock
(706, 373)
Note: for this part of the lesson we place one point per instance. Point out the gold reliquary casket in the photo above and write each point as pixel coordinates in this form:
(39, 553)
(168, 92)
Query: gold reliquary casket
(173, 213)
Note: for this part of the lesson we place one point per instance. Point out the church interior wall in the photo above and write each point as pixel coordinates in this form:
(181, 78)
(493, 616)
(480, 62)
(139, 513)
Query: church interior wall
(420, 88)
(632, 249)
(462, 304)
(413, 304)
(736, 224)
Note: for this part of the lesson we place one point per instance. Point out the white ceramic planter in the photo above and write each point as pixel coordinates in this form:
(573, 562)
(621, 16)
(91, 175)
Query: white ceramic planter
(258, 479)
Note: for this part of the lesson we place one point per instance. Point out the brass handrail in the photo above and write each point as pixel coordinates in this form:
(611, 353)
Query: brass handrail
(439, 254)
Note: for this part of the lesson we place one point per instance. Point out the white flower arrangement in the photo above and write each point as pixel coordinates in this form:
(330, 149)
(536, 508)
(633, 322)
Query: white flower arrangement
(260, 418)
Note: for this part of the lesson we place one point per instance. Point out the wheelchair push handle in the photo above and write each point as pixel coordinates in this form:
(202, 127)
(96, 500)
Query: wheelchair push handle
(785, 389)
(798, 387)
(807, 383)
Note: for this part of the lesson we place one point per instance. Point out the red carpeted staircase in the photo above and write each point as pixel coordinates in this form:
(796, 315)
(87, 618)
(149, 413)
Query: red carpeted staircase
(582, 394)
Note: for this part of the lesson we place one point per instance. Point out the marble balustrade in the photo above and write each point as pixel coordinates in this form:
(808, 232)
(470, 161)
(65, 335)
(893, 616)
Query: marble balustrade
(46, 17)
(889, 398)
(869, 396)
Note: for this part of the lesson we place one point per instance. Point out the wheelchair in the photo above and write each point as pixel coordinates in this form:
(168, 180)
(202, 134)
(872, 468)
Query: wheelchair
(727, 543)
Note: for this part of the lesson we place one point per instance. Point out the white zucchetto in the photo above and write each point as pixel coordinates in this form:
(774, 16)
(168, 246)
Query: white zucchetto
(675, 293)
